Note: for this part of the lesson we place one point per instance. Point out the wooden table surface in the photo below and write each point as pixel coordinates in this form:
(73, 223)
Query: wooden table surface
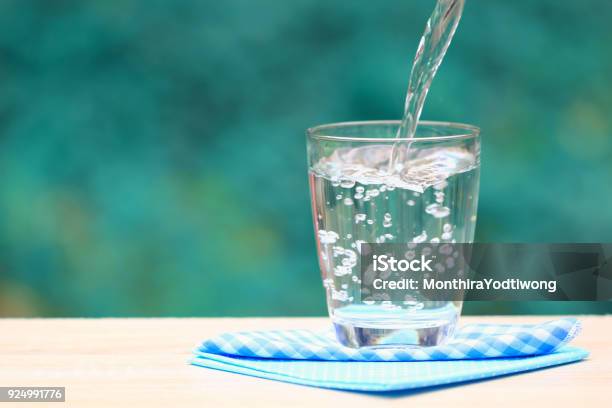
(143, 362)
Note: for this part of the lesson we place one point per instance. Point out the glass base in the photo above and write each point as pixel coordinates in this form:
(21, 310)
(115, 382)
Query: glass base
(420, 330)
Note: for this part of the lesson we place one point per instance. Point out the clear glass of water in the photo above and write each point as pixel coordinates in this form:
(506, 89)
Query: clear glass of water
(428, 192)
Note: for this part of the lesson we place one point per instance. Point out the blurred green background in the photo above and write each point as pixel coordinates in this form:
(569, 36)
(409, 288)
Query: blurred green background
(152, 153)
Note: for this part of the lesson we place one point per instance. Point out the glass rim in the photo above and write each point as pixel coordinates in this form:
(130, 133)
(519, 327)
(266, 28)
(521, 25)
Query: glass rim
(463, 131)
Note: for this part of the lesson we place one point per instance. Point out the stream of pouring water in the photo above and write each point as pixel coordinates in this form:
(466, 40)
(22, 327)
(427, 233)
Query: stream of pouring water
(436, 38)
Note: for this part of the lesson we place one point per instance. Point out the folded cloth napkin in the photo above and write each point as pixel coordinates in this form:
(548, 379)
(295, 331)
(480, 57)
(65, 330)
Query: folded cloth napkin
(477, 351)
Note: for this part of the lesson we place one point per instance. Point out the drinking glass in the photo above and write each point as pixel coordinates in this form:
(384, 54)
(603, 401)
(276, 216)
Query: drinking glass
(367, 186)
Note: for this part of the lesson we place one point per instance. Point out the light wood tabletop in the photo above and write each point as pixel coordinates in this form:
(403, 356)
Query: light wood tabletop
(143, 362)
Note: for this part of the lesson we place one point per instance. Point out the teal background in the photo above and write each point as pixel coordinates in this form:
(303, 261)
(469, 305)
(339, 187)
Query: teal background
(152, 153)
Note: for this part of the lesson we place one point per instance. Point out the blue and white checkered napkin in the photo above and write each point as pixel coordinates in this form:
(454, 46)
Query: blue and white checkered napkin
(477, 351)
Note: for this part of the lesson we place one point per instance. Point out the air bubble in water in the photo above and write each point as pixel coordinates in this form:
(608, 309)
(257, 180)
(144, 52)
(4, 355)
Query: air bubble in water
(339, 197)
(340, 295)
(342, 270)
(359, 189)
(420, 238)
(370, 222)
(439, 197)
(450, 262)
(447, 235)
(347, 183)
(435, 240)
(348, 201)
(447, 228)
(373, 192)
(410, 203)
(437, 210)
(359, 217)
(387, 220)
(328, 237)
(358, 196)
